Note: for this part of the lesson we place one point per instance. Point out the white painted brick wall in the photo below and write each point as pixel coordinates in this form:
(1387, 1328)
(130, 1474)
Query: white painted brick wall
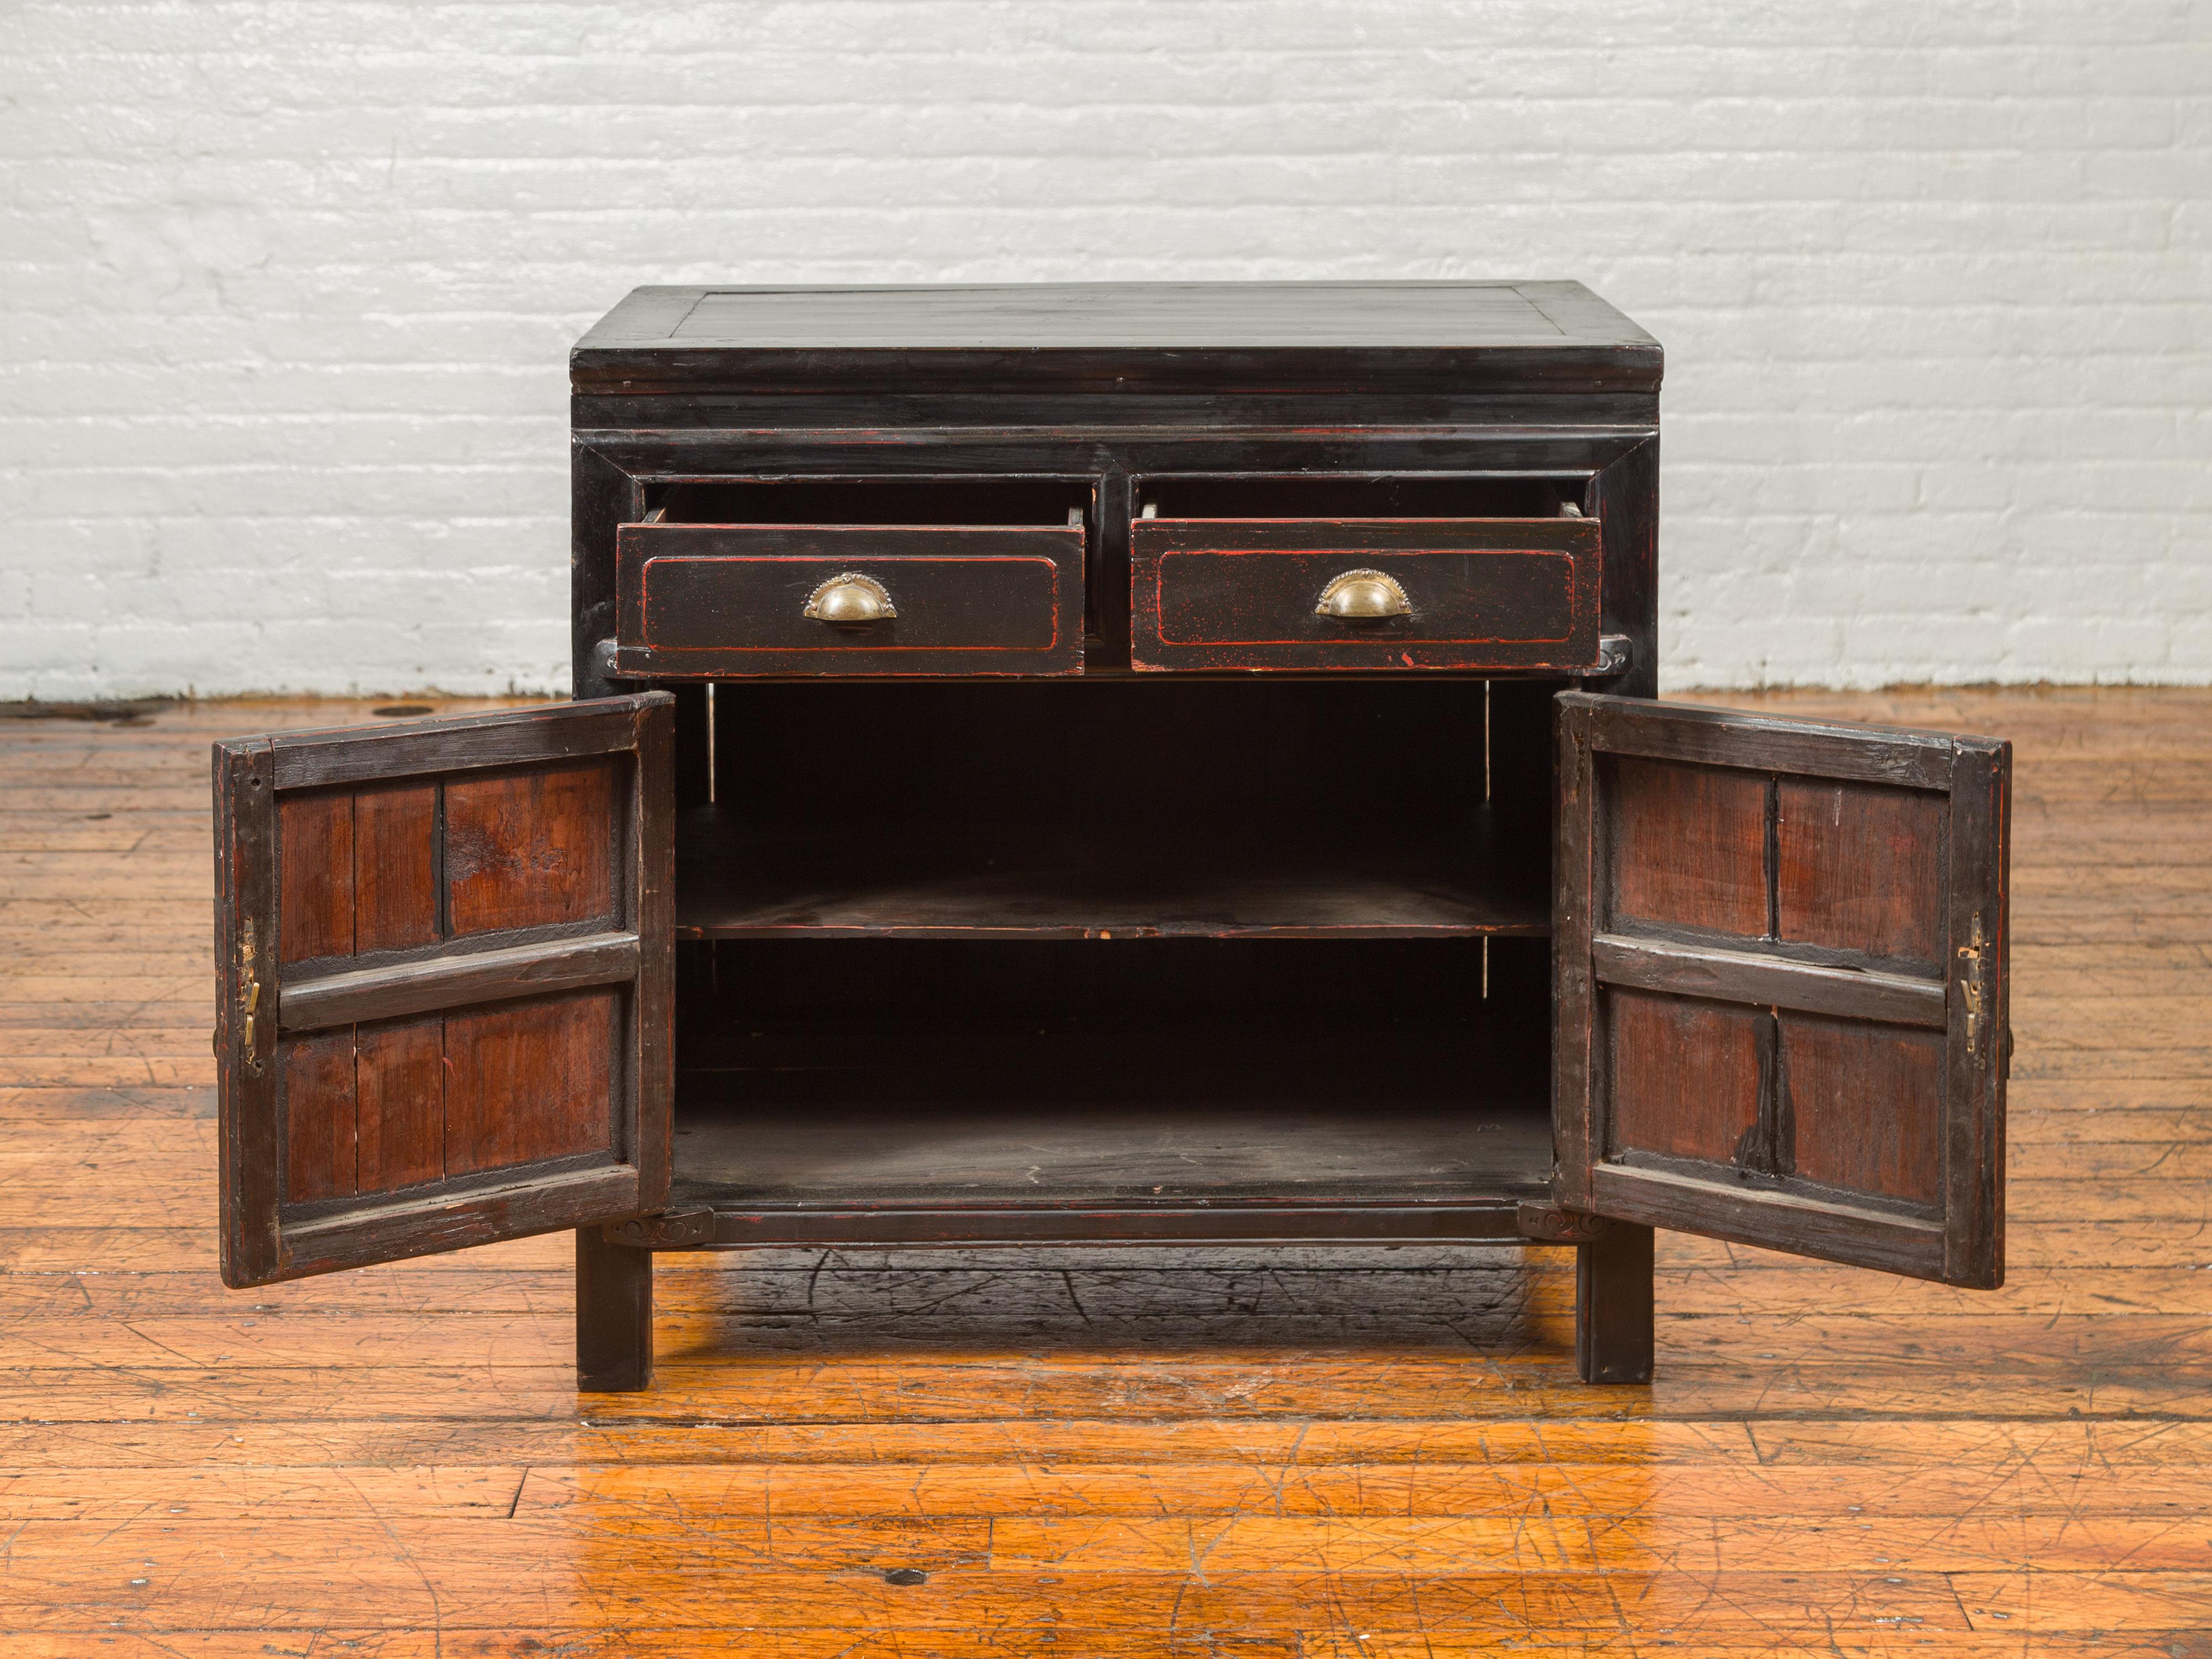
(289, 287)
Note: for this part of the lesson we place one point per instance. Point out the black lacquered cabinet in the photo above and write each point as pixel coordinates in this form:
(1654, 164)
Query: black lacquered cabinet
(1117, 763)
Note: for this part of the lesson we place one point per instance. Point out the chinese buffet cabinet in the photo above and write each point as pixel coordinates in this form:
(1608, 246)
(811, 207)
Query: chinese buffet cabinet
(1132, 763)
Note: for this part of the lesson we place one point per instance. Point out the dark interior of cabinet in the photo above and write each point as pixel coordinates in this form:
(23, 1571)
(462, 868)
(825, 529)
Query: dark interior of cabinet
(1057, 942)
(1358, 496)
(882, 501)
(1207, 809)
(930, 1072)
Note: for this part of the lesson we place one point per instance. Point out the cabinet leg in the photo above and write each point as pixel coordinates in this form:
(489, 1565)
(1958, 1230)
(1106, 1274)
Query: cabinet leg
(1613, 1305)
(614, 1316)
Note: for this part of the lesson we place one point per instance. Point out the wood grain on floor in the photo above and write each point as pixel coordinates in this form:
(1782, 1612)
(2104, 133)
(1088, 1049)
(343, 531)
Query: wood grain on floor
(1222, 1452)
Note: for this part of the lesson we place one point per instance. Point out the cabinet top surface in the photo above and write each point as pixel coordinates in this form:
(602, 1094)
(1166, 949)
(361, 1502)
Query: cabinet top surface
(1116, 335)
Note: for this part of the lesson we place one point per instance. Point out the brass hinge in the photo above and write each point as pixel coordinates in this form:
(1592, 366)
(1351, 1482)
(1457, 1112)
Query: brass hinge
(249, 990)
(666, 1229)
(1973, 977)
(1554, 1225)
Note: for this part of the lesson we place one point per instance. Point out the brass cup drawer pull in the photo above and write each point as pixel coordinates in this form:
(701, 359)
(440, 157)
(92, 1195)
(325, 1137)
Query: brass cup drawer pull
(1364, 596)
(850, 600)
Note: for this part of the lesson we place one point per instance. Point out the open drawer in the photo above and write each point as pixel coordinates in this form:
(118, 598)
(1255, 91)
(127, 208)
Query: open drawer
(734, 578)
(1364, 572)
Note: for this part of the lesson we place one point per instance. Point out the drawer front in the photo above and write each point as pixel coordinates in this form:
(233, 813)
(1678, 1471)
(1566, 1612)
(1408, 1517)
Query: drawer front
(1364, 594)
(730, 600)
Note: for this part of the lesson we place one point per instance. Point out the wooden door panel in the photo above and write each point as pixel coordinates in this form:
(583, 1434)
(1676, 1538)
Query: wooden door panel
(395, 899)
(530, 1081)
(318, 1080)
(1779, 950)
(1688, 846)
(1859, 867)
(399, 1103)
(532, 848)
(446, 967)
(1865, 1102)
(1685, 1074)
(315, 906)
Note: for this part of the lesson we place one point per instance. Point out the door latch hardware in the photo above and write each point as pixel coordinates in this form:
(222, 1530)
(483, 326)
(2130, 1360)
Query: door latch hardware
(249, 990)
(1974, 974)
(1616, 653)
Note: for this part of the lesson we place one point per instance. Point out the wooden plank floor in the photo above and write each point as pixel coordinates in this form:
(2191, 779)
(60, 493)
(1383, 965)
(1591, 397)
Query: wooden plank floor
(1222, 1453)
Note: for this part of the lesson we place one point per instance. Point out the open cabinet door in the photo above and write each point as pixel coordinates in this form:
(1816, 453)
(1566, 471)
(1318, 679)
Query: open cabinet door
(443, 973)
(1779, 950)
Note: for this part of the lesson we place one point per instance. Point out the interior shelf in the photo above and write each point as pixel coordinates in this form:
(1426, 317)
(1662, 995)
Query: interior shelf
(860, 1155)
(1171, 1071)
(734, 882)
(1053, 809)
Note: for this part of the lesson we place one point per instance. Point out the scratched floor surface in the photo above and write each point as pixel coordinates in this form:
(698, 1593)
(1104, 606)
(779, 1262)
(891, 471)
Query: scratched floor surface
(1221, 1453)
